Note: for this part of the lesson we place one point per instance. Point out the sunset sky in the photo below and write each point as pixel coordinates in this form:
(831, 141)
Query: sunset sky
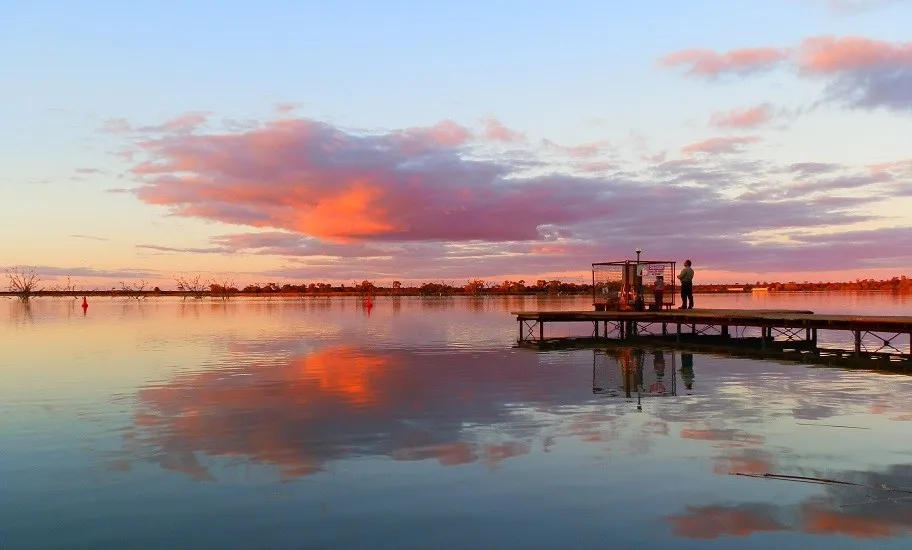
(427, 141)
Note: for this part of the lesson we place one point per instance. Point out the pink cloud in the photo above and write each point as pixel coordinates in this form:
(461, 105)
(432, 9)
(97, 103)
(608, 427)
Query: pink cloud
(858, 72)
(707, 63)
(308, 177)
(496, 131)
(742, 118)
(829, 55)
(425, 202)
(719, 145)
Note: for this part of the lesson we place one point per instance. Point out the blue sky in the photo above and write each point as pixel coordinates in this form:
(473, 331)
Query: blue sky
(569, 72)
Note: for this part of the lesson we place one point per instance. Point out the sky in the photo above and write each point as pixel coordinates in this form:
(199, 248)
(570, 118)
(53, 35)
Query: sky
(338, 142)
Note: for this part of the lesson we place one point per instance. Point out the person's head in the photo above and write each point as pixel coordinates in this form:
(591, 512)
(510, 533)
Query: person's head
(660, 277)
(686, 263)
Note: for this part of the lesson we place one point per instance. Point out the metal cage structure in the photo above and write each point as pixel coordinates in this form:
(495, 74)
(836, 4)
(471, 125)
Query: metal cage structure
(630, 285)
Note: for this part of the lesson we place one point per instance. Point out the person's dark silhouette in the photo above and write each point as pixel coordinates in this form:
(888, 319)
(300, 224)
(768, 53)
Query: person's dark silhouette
(687, 370)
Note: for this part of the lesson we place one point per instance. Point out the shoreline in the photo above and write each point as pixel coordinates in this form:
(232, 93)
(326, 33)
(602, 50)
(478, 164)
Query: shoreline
(376, 293)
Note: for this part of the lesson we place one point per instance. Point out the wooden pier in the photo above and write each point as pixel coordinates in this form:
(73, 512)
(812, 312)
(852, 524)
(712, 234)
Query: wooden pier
(879, 342)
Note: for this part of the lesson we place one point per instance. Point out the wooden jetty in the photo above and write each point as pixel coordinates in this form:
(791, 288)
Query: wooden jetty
(789, 334)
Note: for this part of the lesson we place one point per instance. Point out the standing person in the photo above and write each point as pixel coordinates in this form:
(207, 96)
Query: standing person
(659, 291)
(686, 276)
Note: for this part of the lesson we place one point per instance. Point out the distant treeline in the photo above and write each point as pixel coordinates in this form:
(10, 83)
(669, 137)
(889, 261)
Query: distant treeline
(25, 284)
(896, 284)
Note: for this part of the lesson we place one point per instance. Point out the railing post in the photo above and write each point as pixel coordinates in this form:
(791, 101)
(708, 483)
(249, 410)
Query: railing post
(678, 338)
(521, 331)
(541, 330)
(857, 343)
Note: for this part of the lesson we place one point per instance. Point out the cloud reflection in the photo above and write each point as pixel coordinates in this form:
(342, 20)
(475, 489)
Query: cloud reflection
(861, 512)
(301, 413)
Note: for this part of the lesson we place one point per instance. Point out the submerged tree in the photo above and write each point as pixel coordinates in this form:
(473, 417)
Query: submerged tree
(222, 287)
(23, 283)
(134, 290)
(194, 286)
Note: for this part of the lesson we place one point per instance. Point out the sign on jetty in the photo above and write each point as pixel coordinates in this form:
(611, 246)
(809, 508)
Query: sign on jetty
(878, 342)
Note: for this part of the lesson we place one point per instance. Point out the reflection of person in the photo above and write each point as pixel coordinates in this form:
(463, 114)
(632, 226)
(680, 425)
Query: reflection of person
(686, 276)
(687, 370)
(659, 290)
(658, 363)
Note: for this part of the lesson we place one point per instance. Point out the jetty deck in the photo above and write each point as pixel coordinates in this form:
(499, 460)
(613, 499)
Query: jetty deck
(787, 333)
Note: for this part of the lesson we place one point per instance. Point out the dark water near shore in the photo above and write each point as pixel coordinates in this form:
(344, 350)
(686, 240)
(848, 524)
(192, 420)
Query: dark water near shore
(313, 423)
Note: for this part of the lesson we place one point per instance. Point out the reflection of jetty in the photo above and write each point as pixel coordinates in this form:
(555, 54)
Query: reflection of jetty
(627, 372)
(871, 341)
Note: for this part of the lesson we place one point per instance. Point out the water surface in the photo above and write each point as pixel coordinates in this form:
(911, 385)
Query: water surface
(314, 423)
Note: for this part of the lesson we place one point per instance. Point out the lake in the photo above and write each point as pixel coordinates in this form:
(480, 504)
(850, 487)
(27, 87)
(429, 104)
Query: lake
(315, 423)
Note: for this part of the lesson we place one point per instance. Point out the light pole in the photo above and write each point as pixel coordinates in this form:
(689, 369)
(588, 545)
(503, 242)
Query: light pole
(639, 281)
(638, 255)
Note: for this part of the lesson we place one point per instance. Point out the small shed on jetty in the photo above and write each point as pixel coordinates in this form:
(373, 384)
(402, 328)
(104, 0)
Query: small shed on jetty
(630, 285)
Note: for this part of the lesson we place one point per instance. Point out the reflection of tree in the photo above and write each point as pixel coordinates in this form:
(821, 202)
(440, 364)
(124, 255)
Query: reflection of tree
(21, 311)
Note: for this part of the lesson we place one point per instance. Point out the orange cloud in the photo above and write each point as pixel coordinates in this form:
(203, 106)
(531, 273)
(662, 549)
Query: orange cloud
(742, 118)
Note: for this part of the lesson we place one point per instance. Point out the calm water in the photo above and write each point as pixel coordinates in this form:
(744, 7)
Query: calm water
(309, 423)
